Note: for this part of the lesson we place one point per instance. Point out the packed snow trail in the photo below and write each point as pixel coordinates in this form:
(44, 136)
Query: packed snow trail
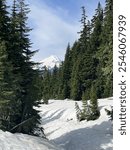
(61, 126)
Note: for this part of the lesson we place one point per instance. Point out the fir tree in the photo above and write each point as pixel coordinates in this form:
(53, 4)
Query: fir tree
(96, 41)
(28, 119)
(78, 111)
(75, 82)
(94, 104)
(4, 22)
(46, 88)
(86, 108)
(7, 89)
(106, 49)
(67, 68)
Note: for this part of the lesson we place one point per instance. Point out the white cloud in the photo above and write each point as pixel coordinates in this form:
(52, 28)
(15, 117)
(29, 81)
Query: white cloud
(51, 33)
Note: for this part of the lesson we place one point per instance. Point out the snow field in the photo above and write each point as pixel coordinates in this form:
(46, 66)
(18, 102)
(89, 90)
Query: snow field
(64, 131)
(61, 126)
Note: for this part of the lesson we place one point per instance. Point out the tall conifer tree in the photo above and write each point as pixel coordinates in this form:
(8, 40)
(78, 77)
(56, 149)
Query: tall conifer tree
(7, 89)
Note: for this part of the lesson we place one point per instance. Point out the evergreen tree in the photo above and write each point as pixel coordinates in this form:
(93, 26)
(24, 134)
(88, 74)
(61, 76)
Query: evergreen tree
(67, 68)
(87, 63)
(55, 82)
(106, 49)
(60, 81)
(28, 119)
(86, 108)
(97, 27)
(4, 22)
(78, 112)
(75, 82)
(94, 104)
(46, 88)
(7, 89)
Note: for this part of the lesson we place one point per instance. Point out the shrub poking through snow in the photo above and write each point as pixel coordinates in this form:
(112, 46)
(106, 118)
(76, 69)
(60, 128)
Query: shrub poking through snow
(110, 113)
(89, 111)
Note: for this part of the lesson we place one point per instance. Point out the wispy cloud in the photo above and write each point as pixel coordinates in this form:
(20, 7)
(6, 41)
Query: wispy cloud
(51, 33)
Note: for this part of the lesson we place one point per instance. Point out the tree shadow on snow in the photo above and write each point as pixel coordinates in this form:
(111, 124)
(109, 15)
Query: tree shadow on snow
(97, 137)
(54, 116)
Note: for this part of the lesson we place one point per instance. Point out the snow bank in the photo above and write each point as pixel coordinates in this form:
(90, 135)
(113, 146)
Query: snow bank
(10, 141)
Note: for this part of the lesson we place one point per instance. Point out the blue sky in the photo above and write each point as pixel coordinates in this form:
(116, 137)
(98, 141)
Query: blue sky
(55, 23)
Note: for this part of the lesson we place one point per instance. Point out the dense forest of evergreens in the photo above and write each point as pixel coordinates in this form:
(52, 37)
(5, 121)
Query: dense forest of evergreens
(86, 73)
(88, 62)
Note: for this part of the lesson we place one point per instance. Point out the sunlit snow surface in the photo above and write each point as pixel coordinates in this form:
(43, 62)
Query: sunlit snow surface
(63, 130)
(61, 126)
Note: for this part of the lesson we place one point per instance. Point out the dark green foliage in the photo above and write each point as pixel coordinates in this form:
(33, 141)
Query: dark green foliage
(7, 88)
(95, 113)
(19, 87)
(89, 111)
(67, 67)
(81, 114)
(75, 82)
(106, 50)
(46, 89)
(110, 113)
(78, 112)
(29, 89)
(4, 22)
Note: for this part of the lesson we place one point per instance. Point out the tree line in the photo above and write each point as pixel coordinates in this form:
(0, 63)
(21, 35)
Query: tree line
(88, 62)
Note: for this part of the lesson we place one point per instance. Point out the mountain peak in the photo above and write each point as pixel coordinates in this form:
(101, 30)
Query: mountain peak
(50, 62)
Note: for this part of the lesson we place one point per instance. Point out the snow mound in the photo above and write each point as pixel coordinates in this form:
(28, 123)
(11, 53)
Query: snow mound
(50, 62)
(9, 141)
(61, 126)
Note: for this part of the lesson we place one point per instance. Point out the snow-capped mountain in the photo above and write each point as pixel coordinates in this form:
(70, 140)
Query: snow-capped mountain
(50, 62)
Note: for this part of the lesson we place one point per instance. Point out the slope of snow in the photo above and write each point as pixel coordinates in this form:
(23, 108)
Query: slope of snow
(62, 129)
(61, 126)
(50, 62)
(10, 141)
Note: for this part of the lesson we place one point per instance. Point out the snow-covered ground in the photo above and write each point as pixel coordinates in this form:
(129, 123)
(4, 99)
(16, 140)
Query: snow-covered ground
(62, 129)
(10, 141)
(61, 126)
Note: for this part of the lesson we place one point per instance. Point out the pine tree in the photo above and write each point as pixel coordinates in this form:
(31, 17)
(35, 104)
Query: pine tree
(78, 74)
(94, 104)
(28, 119)
(75, 82)
(87, 63)
(4, 22)
(67, 69)
(96, 41)
(60, 82)
(78, 111)
(46, 88)
(55, 82)
(86, 108)
(7, 89)
(106, 49)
